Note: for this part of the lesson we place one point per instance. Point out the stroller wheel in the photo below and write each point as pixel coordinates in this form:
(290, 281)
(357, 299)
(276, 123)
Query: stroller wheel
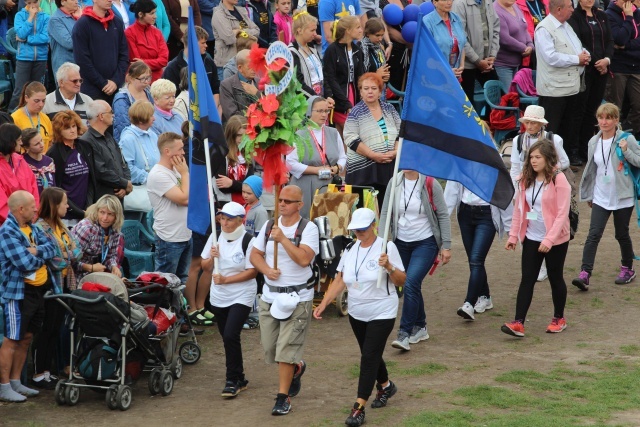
(59, 392)
(124, 397)
(176, 369)
(342, 303)
(190, 352)
(111, 396)
(154, 382)
(167, 383)
(71, 395)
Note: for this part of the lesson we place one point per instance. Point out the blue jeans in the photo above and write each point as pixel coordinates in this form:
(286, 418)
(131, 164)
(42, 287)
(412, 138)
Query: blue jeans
(220, 71)
(477, 231)
(505, 75)
(417, 258)
(173, 257)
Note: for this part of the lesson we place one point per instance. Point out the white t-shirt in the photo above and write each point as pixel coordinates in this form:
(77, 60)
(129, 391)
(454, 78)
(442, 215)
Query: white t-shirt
(604, 191)
(71, 103)
(231, 261)
(315, 69)
(291, 274)
(536, 230)
(367, 302)
(413, 223)
(170, 219)
(124, 13)
(470, 198)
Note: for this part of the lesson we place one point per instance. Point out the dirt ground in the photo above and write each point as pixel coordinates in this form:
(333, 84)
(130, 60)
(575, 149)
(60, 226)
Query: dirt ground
(600, 321)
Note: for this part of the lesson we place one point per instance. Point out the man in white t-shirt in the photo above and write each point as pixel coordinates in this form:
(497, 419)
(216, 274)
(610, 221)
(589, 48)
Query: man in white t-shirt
(168, 189)
(286, 303)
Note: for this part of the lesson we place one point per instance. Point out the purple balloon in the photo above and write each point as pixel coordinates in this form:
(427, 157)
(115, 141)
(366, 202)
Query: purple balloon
(427, 7)
(409, 31)
(410, 13)
(392, 14)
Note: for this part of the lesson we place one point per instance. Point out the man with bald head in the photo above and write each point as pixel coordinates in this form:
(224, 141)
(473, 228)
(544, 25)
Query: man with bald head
(25, 279)
(112, 175)
(287, 296)
(239, 91)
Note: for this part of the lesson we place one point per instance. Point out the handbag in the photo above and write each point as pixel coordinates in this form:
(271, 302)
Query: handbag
(138, 199)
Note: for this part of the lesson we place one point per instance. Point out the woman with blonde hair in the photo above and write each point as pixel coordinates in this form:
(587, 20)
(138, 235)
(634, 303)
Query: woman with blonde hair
(29, 113)
(100, 238)
(138, 143)
(164, 99)
(136, 88)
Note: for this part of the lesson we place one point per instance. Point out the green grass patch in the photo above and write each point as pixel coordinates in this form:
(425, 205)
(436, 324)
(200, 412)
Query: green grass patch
(403, 371)
(630, 350)
(597, 303)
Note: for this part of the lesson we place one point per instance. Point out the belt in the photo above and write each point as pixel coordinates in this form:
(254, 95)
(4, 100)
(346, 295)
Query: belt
(288, 289)
(482, 208)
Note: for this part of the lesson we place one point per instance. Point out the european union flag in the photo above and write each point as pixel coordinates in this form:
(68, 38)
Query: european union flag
(206, 130)
(443, 135)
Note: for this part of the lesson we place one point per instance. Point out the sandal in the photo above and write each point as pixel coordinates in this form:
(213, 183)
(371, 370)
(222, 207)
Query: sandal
(208, 315)
(198, 319)
(251, 323)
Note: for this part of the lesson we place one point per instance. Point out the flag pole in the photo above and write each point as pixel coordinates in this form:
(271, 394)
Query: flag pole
(390, 206)
(212, 207)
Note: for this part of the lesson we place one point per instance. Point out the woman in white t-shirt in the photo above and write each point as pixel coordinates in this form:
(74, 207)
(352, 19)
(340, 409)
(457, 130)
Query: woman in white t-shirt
(233, 290)
(372, 309)
(541, 223)
(608, 188)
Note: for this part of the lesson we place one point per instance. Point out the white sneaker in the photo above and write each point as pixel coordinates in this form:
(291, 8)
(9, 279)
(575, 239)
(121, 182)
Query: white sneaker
(542, 275)
(418, 334)
(466, 311)
(483, 304)
(402, 342)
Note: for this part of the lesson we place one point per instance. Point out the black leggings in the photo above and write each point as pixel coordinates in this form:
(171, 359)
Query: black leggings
(531, 263)
(45, 343)
(230, 321)
(372, 339)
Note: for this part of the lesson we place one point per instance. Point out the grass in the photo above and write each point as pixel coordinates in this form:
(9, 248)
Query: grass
(562, 397)
(404, 371)
(597, 302)
(630, 350)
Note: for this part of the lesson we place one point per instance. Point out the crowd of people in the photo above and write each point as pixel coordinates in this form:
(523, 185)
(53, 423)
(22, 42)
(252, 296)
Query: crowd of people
(99, 121)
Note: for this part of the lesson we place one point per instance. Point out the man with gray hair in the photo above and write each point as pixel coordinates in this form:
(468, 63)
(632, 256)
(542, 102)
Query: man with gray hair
(111, 170)
(239, 91)
(67, 96)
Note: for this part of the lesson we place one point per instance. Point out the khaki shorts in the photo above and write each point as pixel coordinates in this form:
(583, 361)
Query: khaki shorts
(283, 340)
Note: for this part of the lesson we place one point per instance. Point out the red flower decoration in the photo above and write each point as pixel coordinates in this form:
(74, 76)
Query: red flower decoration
(251, 132)
(277, 65)
(268, 120)
(269, 103)
(253, 115)
(257, 62)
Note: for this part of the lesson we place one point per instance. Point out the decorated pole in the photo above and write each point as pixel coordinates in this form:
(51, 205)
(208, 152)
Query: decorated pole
(273, 119)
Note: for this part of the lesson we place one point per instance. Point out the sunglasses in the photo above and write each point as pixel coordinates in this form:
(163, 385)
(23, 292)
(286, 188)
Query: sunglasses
(288, 202)
(76, 81)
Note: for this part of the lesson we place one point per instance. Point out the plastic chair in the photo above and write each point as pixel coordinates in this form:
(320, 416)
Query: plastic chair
(479, 102)
(493, 93)
(397, 103)
(7, 78)
(527, 99)
(10, 43)
(149, 222)
(138, 247)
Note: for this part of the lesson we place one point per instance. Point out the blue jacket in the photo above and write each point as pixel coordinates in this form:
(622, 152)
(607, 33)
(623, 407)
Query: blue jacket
(130, 15)
(206, 13)
(440, 33)
(60, 28)
(140, 150)
(623, 30)
(121, 104)
(164, 123)
(17, 262)
(36, 47)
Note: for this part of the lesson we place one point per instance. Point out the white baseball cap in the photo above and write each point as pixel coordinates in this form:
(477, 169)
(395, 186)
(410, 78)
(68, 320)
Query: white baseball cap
(284, 305)
(233, 209)
(361, 218)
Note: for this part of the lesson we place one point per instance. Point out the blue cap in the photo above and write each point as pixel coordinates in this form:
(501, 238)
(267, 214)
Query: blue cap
(255, 182)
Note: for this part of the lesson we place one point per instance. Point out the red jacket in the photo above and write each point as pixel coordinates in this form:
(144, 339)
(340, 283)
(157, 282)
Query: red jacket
(146, 43)
(12, 180)
(528, 17)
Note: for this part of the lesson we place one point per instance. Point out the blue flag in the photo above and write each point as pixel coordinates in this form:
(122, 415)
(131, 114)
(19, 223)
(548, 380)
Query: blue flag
(205, 123)
(443, 136)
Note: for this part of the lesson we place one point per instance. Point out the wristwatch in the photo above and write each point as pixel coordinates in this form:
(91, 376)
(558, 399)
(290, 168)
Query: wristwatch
(393, 270)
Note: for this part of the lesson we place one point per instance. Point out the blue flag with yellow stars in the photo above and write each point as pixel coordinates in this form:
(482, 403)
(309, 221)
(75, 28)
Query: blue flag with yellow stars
(205, 125)
(443, 135)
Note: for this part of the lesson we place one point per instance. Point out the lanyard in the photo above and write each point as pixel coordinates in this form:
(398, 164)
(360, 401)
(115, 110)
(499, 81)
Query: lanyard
(105, 247)
(534, 194)
(606, 160)
(536, 12)
(356, 267)
(29, 116)
(321, 150)
(404, 193)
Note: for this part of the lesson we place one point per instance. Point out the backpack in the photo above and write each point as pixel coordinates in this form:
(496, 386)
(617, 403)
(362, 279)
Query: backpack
(548, 135)
(99, 361)
(631, 171)
(428, 184)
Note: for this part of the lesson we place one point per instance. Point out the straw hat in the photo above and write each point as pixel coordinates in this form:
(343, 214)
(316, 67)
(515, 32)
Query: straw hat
(534, 113)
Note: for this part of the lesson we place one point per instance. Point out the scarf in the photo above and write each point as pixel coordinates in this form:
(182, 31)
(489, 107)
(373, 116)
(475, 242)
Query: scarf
(42, 172)
(104, 21)
(367, 47)
(234, 235)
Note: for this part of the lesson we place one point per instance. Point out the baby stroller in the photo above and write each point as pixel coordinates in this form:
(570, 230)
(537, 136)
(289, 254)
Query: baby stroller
(110, 344)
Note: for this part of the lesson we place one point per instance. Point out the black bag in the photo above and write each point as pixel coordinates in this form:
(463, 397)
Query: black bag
(100, 362)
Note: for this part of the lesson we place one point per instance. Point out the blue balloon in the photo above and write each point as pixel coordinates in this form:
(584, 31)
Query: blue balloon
(427, 7)
(409, 31)
(392, 14)
(410, 13)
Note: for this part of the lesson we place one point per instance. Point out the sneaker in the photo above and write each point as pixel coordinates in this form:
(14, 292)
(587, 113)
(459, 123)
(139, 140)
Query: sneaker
(402, 342)
(542, 274)
(44, 382)
(483, 304)
(582, 281)
(466, 311)
(515, 328)
(282, 406)
(418, 334)
(626, 275)
(296, 383)
(384, 394)
(233, 388)
(558, 324)
(356, 418)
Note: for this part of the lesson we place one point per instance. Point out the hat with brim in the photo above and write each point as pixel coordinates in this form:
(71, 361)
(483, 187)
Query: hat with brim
(284, 305)
(534, 113)
(233, 210)
(361, 218)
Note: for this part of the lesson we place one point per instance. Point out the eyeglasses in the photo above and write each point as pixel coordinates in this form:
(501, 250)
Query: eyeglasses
(327, 111)
(108, 112)
(144, 79)
(288, 202)
(76, 81)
